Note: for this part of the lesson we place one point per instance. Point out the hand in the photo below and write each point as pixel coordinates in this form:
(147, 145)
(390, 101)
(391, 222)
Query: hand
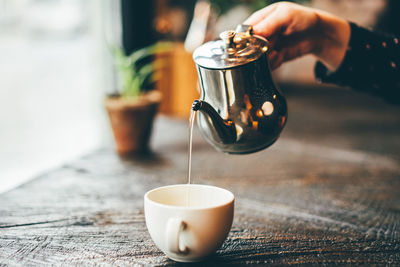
(294, 31)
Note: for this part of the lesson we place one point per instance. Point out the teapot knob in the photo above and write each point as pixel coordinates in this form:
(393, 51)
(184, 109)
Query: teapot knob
(227, 37)
(243, 28)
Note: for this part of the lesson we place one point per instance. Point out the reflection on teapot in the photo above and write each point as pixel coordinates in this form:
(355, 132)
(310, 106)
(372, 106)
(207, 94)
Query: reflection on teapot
(241, 110)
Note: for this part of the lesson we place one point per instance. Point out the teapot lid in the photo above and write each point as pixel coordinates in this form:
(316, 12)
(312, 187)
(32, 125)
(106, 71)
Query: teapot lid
(235, 48)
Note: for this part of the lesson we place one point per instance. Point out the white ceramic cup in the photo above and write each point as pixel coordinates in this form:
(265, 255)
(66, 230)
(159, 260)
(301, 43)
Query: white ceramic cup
(188, 222)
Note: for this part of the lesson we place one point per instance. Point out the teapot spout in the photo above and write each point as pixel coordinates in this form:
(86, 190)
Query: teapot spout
(224, 130)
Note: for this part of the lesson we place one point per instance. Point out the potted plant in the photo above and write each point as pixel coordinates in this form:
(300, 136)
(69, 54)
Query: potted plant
(132, 110)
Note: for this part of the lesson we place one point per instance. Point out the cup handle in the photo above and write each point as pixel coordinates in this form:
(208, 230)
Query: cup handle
(174, 228)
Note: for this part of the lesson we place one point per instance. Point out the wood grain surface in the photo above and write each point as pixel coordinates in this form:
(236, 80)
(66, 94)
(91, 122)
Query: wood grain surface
(328, 192)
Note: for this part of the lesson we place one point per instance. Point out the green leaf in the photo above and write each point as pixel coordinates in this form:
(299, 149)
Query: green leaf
(144, 52)
(132, 74)
(146, 70)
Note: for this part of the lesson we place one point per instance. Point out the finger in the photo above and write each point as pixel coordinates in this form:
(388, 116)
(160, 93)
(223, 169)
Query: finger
(259, 15)
(272, 41)
(282, 41)
(275, 60)
(273, 24)
(294, 51)
(277, 57)
(271, 56)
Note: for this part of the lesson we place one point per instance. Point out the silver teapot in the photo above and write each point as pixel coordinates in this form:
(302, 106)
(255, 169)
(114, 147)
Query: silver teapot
(241, 110)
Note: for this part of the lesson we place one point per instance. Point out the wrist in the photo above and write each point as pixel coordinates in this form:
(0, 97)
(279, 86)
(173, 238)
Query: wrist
(334, 37)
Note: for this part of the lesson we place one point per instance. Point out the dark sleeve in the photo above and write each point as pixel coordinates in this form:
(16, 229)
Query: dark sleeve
(371, 64)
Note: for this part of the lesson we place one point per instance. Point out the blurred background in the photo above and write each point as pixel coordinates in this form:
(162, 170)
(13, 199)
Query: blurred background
(56, 67)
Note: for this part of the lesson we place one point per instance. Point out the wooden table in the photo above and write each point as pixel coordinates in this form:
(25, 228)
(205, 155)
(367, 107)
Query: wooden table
(328, 192)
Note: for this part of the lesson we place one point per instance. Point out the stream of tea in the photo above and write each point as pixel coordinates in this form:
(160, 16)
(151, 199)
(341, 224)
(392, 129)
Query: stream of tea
(191, 124)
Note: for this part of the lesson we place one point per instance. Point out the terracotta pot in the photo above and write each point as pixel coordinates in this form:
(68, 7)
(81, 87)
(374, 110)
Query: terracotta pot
(132, 121)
